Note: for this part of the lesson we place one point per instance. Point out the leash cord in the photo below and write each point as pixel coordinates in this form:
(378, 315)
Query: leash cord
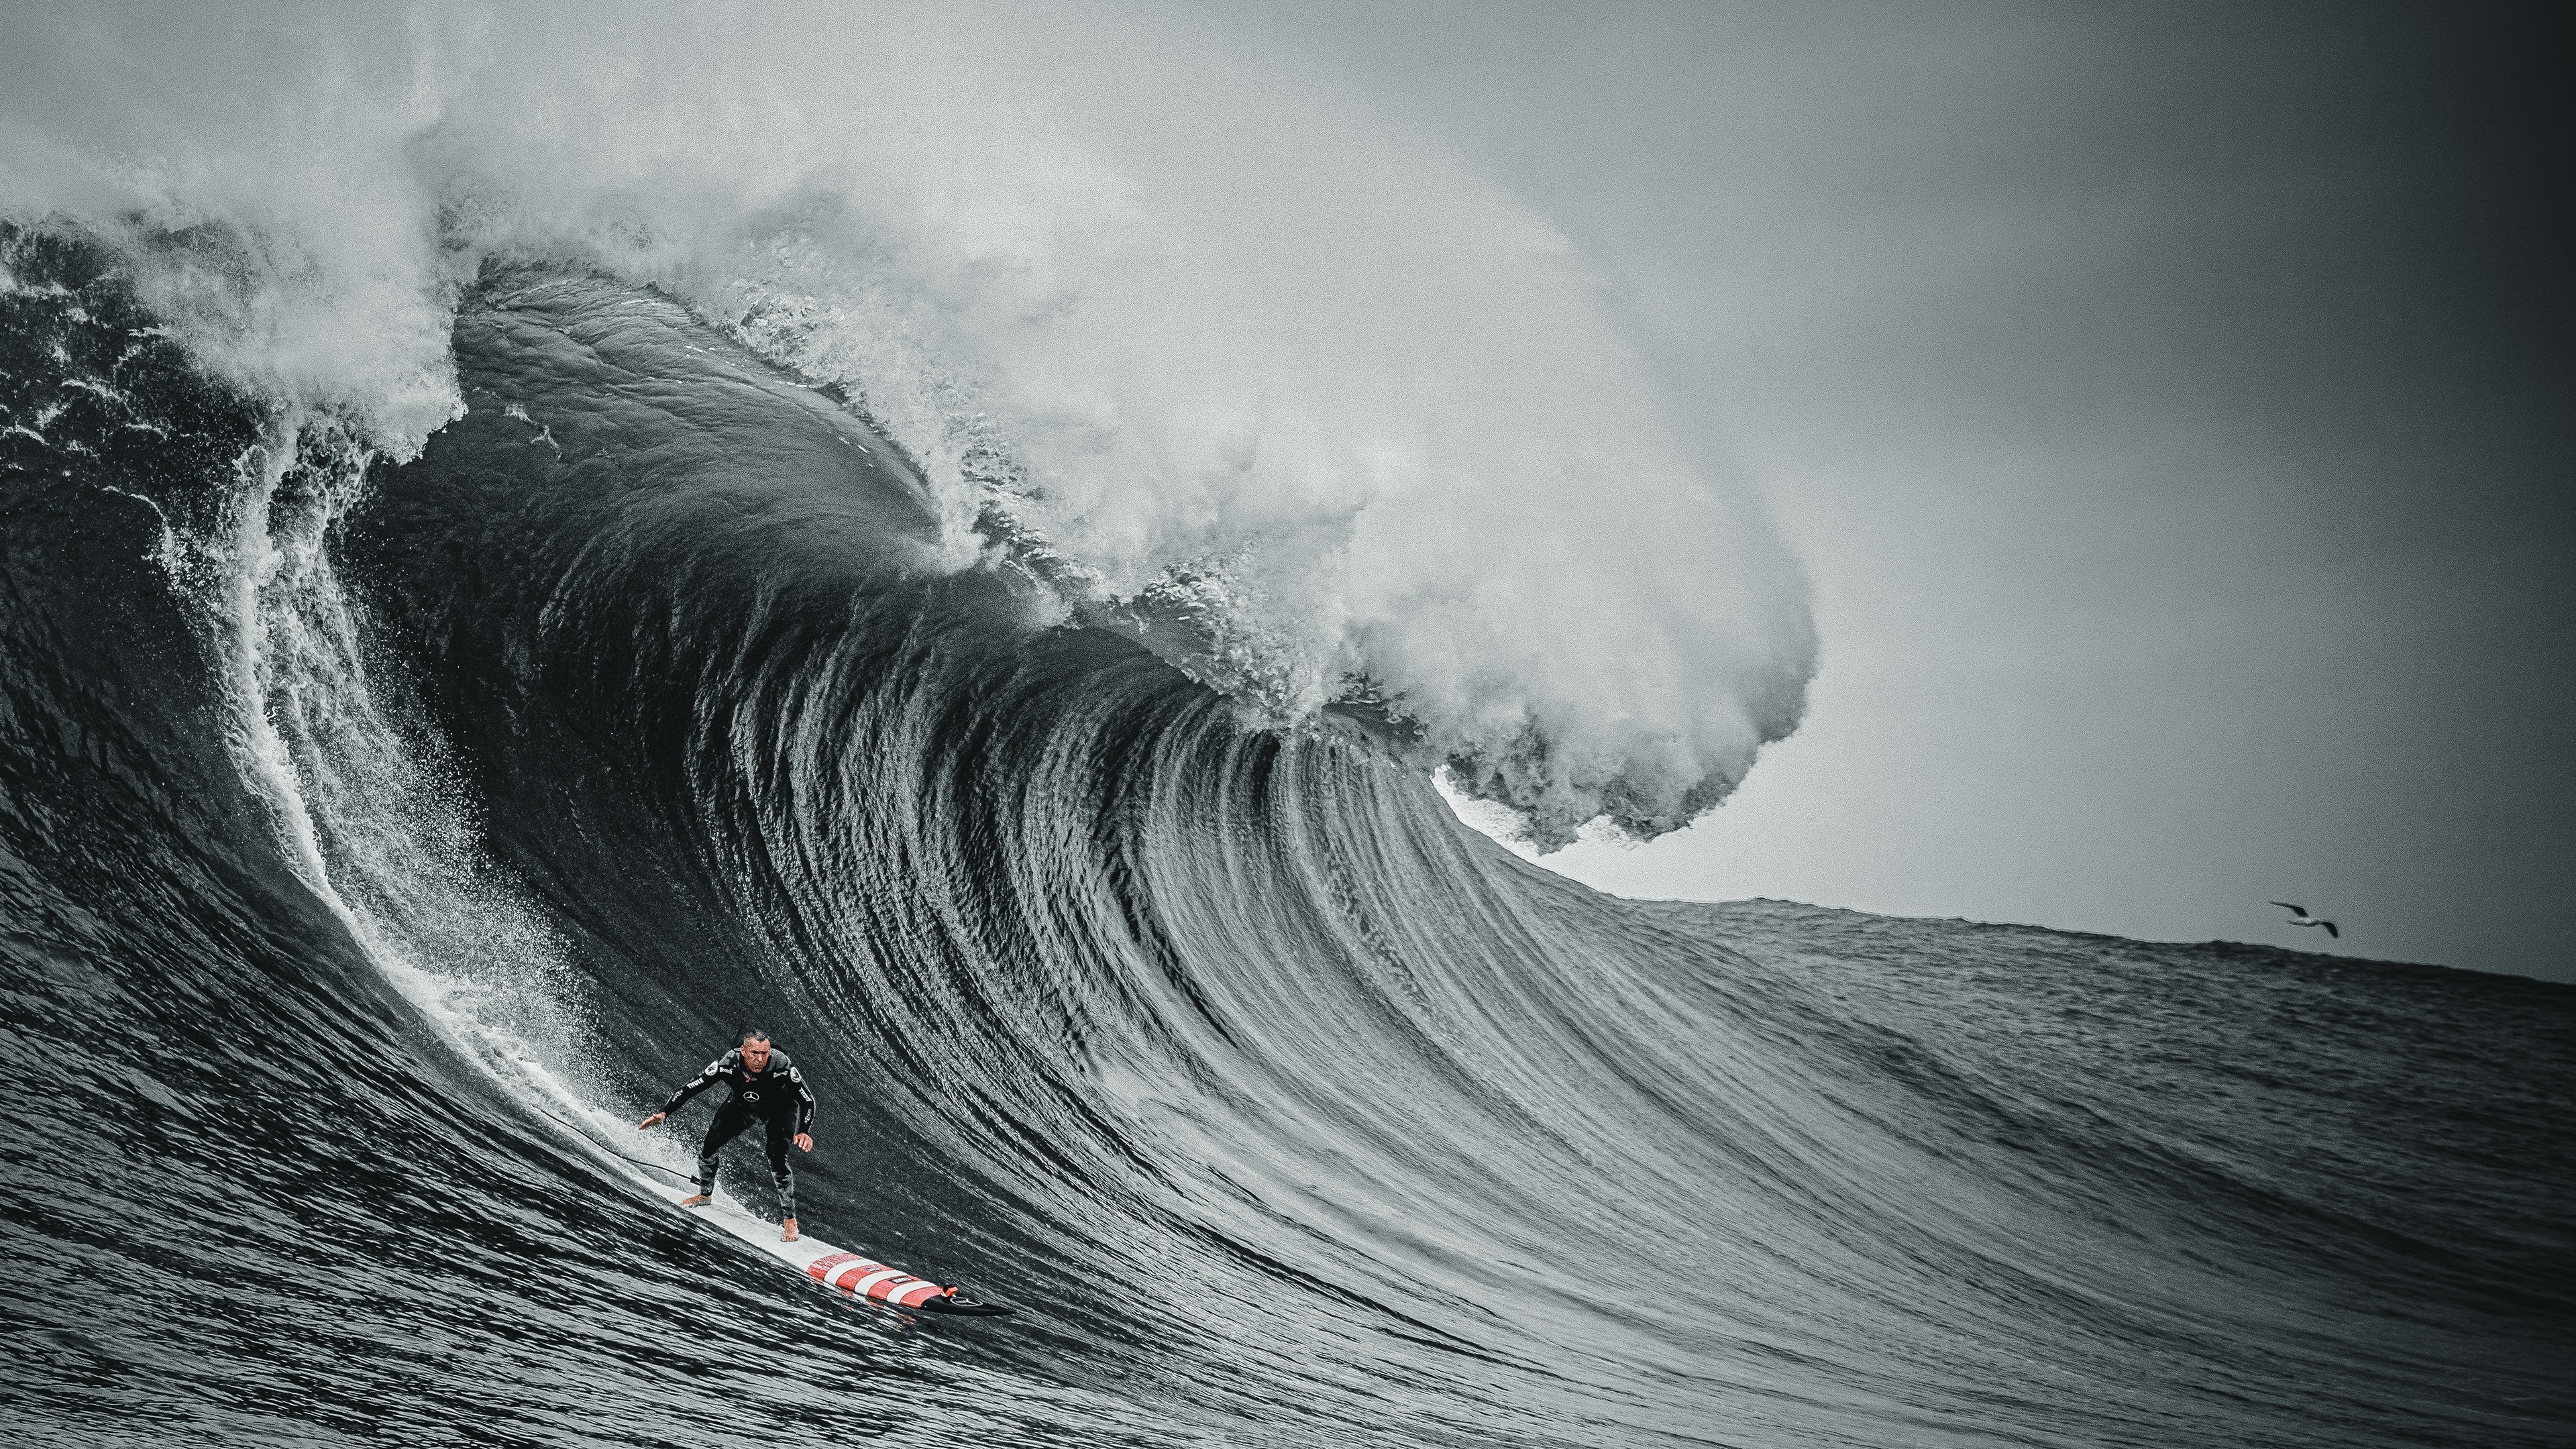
(604, 1147)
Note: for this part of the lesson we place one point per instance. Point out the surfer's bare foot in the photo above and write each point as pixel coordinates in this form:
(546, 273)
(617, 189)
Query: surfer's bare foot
(788, 1234)
(697, 1200)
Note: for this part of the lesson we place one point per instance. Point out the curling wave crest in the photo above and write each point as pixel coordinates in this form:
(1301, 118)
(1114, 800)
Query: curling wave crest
(1202, 339)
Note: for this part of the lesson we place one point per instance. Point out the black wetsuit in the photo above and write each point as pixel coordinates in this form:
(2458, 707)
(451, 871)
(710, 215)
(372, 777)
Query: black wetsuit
(776, 1096)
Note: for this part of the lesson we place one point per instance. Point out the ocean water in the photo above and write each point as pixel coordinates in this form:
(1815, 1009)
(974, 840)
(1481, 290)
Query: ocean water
(384, 830)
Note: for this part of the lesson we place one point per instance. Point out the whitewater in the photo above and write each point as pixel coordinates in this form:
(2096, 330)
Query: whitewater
(532, 542)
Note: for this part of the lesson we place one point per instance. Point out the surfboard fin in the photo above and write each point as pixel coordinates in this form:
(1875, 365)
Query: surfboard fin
(966, 1307)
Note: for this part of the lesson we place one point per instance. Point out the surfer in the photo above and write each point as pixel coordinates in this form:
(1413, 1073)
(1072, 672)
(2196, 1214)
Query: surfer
(766, 1085)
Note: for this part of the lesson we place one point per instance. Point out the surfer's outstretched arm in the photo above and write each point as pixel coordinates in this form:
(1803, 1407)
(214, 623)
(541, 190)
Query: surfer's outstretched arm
(715, 1072)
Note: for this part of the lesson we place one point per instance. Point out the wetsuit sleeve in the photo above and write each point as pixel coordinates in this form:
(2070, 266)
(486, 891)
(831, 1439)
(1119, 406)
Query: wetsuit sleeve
(804, 1099)
(716, 1072)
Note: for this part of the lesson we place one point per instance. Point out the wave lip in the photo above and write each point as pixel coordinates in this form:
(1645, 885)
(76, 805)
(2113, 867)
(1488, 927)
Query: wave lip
(1369, 420)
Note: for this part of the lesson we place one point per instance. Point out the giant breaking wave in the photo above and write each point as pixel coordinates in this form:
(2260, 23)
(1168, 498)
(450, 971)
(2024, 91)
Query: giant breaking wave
(1364, 423)
(495, 597)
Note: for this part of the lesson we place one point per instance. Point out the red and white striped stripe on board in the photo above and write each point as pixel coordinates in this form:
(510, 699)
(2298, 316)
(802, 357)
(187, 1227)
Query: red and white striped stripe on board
(863, 1278)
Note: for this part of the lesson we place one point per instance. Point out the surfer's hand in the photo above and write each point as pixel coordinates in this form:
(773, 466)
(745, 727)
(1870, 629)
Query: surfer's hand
(649, 1121)
(804, 1141)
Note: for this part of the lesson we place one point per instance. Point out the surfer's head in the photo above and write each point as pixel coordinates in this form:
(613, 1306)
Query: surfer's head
(755, 1049)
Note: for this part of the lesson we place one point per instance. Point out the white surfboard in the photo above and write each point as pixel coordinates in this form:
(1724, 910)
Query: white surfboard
(854, 1275)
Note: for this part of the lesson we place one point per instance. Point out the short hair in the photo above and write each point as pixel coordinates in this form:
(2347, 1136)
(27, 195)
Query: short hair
(753, 1033)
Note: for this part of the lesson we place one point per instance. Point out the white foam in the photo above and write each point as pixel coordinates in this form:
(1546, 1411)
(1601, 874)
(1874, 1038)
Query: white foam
(1196, 322)
(360, 809)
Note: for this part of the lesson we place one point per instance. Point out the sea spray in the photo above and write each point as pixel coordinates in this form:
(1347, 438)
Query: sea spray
(1372, 409)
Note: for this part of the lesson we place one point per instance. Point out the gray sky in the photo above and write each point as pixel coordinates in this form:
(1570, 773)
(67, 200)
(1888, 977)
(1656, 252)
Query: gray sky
(2171, 403)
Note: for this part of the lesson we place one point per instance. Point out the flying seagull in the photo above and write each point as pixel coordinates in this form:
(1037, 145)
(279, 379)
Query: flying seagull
(2299, 917)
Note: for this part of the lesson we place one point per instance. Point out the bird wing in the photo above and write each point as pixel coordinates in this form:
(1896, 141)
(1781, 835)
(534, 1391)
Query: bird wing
(2330, 930)
(2285, 905)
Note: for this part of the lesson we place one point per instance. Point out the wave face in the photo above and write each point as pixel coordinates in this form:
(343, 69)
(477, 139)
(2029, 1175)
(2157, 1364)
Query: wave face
(382, 835)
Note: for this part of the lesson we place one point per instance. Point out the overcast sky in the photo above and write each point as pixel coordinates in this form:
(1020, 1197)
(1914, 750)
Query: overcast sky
(2172, 404)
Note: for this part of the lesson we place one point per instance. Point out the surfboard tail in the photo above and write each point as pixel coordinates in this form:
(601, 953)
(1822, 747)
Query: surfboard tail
(863, 1277)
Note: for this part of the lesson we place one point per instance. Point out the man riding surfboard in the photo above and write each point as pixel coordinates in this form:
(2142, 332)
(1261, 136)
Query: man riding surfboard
(766, 1086)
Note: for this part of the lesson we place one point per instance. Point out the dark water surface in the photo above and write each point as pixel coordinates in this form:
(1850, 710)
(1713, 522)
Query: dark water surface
(355, 816)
